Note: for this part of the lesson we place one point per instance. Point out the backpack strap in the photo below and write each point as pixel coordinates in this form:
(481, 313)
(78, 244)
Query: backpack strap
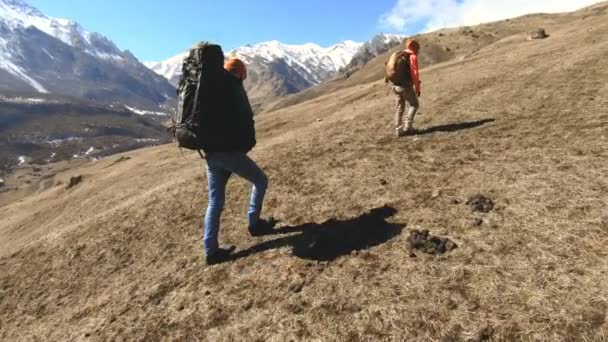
(198, 88)
(200, 153)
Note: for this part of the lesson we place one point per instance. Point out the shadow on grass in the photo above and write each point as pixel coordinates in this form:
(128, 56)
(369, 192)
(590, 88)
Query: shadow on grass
(455, 127)
(334, 238)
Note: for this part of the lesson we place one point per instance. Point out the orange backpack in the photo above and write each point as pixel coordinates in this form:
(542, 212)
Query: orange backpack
(398, 69)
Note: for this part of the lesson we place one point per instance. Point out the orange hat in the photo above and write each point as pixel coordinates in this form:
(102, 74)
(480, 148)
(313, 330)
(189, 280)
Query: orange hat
(412, 44)
(236, 67)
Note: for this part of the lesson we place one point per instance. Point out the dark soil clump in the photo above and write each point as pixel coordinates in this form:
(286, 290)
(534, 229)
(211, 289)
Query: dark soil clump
(75, 180)
(121, 159)
(484, 334)
(538, 34)
(481, 203)
(427, 243)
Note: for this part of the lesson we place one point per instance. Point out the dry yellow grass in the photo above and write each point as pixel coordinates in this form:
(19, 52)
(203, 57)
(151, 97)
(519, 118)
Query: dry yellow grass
(524, 122)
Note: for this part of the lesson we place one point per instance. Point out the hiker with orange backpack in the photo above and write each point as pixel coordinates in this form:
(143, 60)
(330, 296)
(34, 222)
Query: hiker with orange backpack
(402, 71)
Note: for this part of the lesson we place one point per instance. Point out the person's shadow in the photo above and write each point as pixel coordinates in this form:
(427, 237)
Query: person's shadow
(333, 238)
(455, 126)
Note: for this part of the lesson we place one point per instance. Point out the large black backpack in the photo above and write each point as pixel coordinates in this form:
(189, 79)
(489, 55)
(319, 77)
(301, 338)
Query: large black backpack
(202, 77)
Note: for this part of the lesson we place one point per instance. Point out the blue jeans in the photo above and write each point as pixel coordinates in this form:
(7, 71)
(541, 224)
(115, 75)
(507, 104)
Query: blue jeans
(220, 166)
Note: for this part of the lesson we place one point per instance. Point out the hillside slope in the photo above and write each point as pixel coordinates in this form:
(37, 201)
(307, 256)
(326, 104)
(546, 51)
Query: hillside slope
(118, 257)
(453, 44)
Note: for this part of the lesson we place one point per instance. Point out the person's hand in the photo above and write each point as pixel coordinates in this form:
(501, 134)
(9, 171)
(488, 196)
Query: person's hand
(418, 93)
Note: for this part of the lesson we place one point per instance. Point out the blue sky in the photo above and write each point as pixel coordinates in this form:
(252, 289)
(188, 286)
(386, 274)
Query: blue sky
(158, 29)
(155, 30)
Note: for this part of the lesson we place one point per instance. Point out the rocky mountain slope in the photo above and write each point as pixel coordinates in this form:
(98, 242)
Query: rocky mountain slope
(520, 122)
(42, 130)
(276, 69)
(40, 55)
(373, 48)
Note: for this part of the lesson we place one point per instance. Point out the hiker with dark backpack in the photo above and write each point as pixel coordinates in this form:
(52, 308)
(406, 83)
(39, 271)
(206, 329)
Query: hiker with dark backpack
(216, 117)
(402, 71)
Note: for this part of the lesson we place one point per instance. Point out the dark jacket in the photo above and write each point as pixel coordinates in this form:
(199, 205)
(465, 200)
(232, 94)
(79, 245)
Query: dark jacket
(228, 121)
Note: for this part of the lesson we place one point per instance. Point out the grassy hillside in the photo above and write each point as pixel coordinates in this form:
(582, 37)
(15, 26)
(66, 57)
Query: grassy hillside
(455, 44)
(119, 257)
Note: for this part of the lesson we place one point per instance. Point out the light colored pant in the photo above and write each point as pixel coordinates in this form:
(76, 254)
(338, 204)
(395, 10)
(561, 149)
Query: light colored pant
(403, 95)
(220, 166)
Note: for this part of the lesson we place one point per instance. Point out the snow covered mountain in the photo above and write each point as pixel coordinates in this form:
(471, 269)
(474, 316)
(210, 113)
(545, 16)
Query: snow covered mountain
(17, 14)
(275, 68)
(313, 62)
(40, 54)
(380, 44)
(171, 68)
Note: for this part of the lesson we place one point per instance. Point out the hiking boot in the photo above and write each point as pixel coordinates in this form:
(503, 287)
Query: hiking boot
(263, 227)
(407, 132)
(220, 255)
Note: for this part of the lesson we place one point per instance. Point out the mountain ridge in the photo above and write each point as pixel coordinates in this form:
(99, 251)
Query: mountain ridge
(41, 54)
(276, 69)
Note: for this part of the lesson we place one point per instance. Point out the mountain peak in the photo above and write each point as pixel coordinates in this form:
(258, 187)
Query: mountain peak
(42, 54)
(18, 5)
(387, 38)
(17, 14)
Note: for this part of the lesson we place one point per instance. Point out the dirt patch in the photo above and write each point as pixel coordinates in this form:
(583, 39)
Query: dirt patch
(481, 204)
(425, 242)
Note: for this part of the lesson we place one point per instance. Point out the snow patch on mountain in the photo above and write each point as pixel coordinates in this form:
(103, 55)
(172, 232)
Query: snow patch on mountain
(145, 112)
(388, 38)
(28, 100)
(19, 72)
(48, 53)
(381, 43)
